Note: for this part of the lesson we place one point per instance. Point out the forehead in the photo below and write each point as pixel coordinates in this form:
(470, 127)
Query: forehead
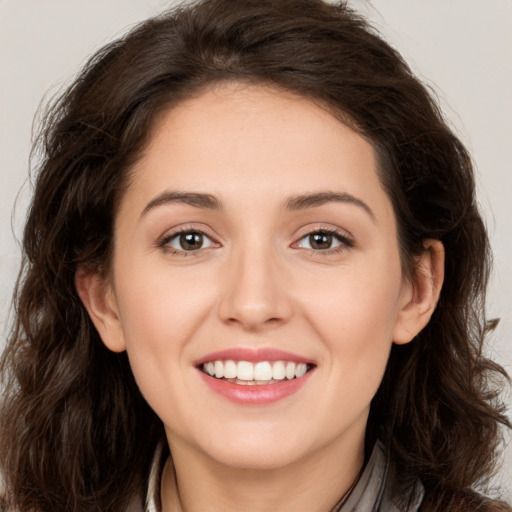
(263, 133)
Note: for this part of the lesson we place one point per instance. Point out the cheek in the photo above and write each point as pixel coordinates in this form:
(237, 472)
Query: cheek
(159, 304)
(159, 316)
(359, 306)
(356, 319)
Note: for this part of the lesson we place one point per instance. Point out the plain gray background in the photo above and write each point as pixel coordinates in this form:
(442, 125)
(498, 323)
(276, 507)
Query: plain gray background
(461, 48)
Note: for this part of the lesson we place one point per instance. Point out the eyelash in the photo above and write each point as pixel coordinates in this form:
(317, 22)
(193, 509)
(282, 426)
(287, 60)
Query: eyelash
(345, 241)
(164, 244)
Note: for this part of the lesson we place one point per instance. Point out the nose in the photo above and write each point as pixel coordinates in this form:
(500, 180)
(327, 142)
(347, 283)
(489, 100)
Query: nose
(254, 292)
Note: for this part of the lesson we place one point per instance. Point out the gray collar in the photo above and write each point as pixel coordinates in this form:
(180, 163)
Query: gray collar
(372, 492)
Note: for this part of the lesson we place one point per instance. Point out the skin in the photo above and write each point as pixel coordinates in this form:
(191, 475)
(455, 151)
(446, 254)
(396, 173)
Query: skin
(257, 283)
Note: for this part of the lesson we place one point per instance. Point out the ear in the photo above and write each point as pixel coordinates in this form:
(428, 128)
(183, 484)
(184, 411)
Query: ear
(98, 298)
(421, 294)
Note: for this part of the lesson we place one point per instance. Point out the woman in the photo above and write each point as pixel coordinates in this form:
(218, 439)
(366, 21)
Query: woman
(254, 280)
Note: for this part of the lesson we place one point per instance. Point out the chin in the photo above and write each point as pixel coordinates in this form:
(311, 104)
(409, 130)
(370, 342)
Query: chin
(255, 459)
(259, 450)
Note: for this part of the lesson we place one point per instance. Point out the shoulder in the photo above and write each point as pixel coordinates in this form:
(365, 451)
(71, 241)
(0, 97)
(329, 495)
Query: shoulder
(462, 501)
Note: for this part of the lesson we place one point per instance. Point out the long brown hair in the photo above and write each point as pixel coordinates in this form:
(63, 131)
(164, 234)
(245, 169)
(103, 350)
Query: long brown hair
(75, 432)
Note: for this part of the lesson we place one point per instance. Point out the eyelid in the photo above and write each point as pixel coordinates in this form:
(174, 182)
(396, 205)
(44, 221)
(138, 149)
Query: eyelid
(164, 240)
(346, 239)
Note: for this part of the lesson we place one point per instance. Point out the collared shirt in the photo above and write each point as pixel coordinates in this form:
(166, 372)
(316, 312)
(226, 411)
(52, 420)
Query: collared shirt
(372, 493)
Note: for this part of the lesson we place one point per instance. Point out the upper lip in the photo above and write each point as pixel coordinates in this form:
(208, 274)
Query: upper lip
(253, 355)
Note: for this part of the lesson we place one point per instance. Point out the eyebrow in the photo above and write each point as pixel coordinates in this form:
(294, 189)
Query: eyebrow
(191, 198)
(305, 201)
(294, 203)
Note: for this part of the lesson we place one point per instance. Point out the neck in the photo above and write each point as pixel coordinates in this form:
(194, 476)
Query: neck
(315, 483)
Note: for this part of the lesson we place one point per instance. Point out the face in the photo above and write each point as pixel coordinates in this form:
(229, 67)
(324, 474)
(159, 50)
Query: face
(256, 282)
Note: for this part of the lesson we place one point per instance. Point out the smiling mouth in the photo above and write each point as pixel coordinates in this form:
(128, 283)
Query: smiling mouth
(246, 373)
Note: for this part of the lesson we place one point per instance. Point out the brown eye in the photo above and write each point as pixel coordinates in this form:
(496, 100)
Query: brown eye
(189, 241)
(324, 241)
(320, 241)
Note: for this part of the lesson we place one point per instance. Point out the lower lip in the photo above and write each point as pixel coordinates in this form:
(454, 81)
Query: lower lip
(259, 394)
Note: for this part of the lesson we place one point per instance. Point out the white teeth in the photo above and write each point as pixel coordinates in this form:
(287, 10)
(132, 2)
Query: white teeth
(219, 369)
(230, 370)
(290, 370)
(210, 368)
(301, 369)
(262, 372)
(244, 370)
(278, 371)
